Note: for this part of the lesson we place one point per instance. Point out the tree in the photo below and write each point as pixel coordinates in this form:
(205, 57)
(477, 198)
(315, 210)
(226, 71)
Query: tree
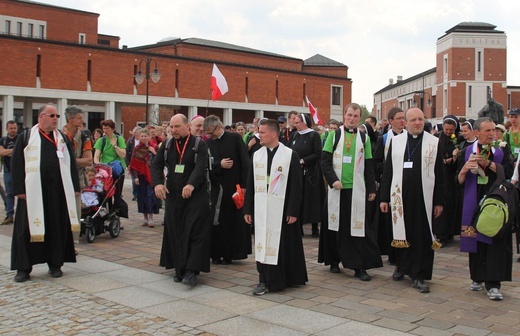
(364, 114)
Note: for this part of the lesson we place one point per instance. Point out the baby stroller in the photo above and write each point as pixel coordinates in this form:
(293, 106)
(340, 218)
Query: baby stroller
(100, 218)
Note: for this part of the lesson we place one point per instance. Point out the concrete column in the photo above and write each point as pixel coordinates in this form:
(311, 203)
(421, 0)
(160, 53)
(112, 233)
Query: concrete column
(259, 114)
(117, 118)
(27, 113)
(7, 111)
(192, 111)
(110, 111)
(61, 106)
(228, 116)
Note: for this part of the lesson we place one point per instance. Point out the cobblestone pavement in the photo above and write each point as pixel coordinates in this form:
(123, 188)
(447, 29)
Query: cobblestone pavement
(122, 275)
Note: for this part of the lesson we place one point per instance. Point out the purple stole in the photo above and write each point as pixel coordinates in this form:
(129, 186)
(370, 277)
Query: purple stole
(468, 234)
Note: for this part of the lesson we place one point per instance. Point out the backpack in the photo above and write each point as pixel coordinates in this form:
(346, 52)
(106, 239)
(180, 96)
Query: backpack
(497, 209)
(167, 147)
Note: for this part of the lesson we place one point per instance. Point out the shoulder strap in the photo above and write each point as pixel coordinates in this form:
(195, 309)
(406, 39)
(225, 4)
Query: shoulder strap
(337, 136)
(103, 142)
(196, 147)
(166, 148)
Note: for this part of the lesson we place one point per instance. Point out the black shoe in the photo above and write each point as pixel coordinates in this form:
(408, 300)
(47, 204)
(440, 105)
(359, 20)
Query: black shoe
(227, 261)
(444, 243)
(260, 289)
(518, 260)
(315, 233)
(134, 198)
(177, 278)
(420, 286)
(334, 268)
(22, 276)
(362, 275)
(189, 279)
(216, 261)
(391, 261)
(55, 272)
(397, 276)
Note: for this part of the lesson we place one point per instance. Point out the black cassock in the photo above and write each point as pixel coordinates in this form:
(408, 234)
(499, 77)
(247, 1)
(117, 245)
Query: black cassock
(446, 225)
(416, 260)
(491, 262)
(291, 269)
(308, 146)
(58, 244)
(341, 246)
(186, 237)
(231, 238)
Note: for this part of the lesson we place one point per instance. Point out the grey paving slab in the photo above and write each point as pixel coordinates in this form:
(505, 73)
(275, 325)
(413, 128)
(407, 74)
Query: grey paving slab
(359, 329)
(135, 297)
(242, 325)
(239, 304)
(91, 265)
(91, 283)
(167, 286)
(189, 313)
(134, 276)
(297, 318)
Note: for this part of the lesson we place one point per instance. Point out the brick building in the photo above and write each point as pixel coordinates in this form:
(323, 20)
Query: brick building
(55, 55)
(471, 67)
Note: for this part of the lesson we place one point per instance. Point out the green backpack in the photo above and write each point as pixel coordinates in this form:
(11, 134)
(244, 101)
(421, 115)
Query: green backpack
(493, 216)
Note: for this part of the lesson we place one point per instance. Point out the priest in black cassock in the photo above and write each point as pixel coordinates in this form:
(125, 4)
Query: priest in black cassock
(187, 234)
(45, 180)
(383, 220)
(307, 143)
(230, 235)
(490, 259)
(413, 190)
(347, 236)
(272, 203)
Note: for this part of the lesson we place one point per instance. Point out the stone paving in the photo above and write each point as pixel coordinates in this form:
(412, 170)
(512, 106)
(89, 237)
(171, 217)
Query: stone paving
(117, 284)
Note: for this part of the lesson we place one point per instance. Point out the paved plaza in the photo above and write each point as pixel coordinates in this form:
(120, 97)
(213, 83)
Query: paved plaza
(117, 288)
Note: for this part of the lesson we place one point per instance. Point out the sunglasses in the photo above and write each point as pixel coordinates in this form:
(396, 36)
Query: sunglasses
(52, 115)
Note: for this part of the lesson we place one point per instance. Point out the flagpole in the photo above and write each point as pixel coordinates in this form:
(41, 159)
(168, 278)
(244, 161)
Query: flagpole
(207, 106)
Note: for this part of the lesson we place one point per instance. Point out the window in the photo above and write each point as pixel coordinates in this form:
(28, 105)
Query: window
(89, 70)
(304, 89)
(8, 27)
(19, 28)
(276, 89)
(336, 95)
(42, 31)
(479, 61)
(469, 95)
(82, 38)
(38, 65)
(30, 30)
(247, 86)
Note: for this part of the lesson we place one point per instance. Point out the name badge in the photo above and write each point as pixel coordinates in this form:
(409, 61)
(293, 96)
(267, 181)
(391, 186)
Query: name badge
(179, 168)
(60, 154)
(347, 159)
(517, 150)
(408, 164)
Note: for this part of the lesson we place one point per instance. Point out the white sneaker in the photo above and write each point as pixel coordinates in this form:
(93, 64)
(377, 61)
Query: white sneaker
(475, 286)
(495, 295)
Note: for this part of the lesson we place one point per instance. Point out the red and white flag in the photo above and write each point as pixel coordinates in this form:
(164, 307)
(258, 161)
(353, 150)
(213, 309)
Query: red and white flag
(314, 112)
(218, 83)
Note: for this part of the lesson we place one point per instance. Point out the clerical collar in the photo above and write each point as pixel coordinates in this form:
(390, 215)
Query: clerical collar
(395, 133)
(416, 136)
(305, 131)
(354, 130)
(273, 148)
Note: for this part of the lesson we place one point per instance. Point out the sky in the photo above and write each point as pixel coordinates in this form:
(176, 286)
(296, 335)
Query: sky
(376, 39)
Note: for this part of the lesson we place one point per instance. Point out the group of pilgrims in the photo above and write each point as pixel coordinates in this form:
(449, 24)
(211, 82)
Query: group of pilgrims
(400, 191)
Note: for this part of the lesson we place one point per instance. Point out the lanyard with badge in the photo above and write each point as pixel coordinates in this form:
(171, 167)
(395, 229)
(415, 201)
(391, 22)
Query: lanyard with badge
(348, 158)
(55, 142)
(409, 163)
(179, 168)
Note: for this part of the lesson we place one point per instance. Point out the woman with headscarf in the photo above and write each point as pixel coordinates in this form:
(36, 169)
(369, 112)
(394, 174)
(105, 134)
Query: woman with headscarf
(306, 142)
(445, 226)
(140, 162)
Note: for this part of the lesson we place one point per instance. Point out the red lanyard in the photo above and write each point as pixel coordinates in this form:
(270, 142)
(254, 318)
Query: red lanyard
(55, 142)
(183, 148)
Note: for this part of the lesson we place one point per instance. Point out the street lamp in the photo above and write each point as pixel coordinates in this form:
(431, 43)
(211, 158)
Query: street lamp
(422, 98)
(155, 76)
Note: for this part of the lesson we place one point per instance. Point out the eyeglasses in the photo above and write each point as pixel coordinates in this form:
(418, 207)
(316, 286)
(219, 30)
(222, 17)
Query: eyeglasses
(52, 115)
(211, 133)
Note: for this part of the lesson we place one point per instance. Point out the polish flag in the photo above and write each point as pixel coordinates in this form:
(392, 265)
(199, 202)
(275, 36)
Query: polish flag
(314, 112)
(218, 85)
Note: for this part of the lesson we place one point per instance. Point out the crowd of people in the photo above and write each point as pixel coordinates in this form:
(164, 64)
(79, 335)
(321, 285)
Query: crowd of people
(400, 187)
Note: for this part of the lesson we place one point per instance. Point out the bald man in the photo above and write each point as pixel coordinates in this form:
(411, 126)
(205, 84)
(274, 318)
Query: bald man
(186, 236)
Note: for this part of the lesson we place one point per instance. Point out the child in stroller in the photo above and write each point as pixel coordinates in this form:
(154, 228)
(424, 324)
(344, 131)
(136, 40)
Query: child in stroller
(97, 216)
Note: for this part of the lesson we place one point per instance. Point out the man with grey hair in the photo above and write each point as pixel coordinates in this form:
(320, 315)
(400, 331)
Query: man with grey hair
(231, 237)
(82, 149)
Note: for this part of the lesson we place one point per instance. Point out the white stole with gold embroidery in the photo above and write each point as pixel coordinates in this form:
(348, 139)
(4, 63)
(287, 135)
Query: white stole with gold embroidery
(269, 202)
(33, 187)
(357, 218)
(429, 148)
